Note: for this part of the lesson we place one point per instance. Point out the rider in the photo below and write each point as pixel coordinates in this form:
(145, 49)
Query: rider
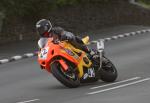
(45, 30)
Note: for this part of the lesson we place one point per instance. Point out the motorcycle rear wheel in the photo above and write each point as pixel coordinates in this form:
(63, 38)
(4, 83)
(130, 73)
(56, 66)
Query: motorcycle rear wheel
(108, 72)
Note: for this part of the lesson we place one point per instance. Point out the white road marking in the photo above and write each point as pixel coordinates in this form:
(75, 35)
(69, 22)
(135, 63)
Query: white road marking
(4, 60)
(29, 54)
(33, 100)
(17, 57)
(120, 86)
(116, 83)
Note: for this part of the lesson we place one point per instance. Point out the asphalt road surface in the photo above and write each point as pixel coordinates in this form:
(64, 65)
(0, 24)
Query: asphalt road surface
(23, 82)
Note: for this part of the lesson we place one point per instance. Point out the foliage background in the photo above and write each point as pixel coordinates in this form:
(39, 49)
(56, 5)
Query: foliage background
(18, 17)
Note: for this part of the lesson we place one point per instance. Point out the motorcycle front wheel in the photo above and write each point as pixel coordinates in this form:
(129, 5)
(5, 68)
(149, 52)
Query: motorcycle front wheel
(69, 79)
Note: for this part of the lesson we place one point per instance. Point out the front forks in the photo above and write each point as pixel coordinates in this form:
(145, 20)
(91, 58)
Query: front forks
(100, 49)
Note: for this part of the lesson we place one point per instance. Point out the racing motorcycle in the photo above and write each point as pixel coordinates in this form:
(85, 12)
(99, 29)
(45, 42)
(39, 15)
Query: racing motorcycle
(72, 66)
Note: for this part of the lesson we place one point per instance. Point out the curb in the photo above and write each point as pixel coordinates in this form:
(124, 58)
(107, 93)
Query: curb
(140, 32)
(18, 57)
(28, 55)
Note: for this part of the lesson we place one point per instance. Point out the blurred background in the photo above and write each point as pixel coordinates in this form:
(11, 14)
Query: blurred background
(18, 17)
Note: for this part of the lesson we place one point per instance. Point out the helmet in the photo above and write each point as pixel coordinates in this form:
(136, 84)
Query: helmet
(43, 27)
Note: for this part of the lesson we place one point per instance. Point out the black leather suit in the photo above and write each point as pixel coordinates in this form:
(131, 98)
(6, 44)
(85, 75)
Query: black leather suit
(74, 40)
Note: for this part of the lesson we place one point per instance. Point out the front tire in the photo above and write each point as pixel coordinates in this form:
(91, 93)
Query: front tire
(108, 72)
(58, 73)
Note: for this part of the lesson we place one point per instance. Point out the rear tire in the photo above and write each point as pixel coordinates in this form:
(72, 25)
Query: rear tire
(57, 72)
(108, 72)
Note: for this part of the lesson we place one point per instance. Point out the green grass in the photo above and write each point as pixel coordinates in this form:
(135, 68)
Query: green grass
(145, 3)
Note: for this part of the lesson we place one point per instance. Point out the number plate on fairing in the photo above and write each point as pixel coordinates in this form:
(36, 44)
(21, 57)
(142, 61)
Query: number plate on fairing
(43, 53)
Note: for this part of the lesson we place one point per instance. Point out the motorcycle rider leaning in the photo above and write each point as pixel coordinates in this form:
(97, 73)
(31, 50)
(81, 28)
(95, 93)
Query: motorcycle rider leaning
(45, 30)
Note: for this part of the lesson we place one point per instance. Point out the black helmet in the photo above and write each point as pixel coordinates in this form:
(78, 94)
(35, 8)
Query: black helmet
(43, 27)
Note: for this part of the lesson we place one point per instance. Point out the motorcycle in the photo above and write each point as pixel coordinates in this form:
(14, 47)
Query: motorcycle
(72, 66)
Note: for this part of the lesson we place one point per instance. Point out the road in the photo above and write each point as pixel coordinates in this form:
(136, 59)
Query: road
(23, 82)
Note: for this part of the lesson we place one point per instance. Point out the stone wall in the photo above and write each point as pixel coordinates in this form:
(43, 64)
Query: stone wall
(79, 19)
(1, 20)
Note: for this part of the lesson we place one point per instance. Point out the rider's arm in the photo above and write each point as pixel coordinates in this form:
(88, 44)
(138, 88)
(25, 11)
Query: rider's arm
(71, 37)
(68, 36)
(41, 42)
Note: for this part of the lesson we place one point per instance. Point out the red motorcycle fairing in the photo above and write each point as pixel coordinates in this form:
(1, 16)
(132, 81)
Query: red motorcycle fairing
(53, 51)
